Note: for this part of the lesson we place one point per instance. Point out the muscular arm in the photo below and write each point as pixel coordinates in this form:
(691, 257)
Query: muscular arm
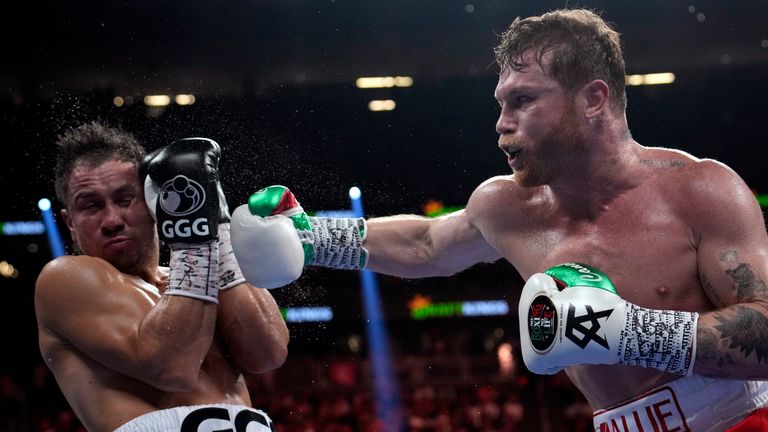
(732, 341)
(87, 303)
(254, 330)
(414, 246)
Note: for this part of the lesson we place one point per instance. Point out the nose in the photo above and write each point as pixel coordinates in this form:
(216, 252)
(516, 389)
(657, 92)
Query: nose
(506, 123)
(113, 220)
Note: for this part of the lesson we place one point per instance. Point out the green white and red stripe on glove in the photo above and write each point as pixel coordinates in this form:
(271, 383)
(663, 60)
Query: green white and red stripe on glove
(274, 238)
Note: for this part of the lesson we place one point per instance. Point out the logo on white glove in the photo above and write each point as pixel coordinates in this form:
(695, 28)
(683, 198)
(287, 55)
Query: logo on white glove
(586, 273)
(542, 324)
(589, 333)
(181, 196)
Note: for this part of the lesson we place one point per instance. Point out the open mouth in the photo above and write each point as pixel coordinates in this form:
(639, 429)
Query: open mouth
(511, 152)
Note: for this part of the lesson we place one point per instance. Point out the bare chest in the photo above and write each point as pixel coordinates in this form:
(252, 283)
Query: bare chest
(642, 244)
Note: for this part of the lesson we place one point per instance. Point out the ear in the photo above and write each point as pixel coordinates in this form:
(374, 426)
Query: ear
(596, 95)
(68, 220)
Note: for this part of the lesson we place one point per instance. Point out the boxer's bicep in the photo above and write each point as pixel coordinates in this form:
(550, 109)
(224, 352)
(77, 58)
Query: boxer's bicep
(731, 274)
(732, 341)
(457, 243)
(732, 244)
(732, 252)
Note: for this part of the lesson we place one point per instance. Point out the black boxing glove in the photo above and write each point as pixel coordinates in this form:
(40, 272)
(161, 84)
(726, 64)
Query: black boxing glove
(183, 193)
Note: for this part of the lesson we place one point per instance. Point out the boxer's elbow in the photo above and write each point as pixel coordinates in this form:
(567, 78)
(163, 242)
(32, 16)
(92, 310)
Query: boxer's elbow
(411, 263)
(272, 360)
(438, 269)
(266, 359)
(411, 269)
(173, 377)
(278, 356)
(179, 385)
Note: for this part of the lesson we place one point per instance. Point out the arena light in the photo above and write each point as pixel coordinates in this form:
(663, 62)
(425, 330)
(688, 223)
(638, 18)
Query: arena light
(157, 100)
(16, 228)
(307, 314)
(8, 270)
(54, 239)
(650, 79)
(333, 213)
(434, 208)
(354, 193)
(506, 360)
(184, 99)
(385, 384)
(382, 105)
(44, 204)
(383, 82)
(422, 308)
(403, 81)
(118, 101)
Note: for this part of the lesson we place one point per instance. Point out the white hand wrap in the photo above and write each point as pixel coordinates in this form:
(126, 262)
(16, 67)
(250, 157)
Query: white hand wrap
(659, 339)
(194, 271)
(230, 274)
(338, 242)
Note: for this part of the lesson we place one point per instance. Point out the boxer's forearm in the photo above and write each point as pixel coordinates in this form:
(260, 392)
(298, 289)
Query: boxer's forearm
(401, 246)
(414, 246)
(172, 341)
(397, 245)
(733, 342)
(255, 332)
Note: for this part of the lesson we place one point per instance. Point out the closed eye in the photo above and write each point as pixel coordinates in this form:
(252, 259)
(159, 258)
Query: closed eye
(125, 196)
(124, 199)
(89, 206)
(521, 101)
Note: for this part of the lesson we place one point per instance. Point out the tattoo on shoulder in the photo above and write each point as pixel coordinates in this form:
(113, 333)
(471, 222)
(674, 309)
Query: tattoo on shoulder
(711, 292)
(747, 283)
(746, 330)
(729, 256)
(663, 163)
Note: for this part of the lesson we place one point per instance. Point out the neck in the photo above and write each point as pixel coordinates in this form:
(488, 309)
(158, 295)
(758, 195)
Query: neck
(148, 268)
(150, 274)
(606, 170)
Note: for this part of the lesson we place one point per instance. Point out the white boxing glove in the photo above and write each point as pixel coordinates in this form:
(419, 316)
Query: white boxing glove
(268, 249)
(571, 315)
(327, 242)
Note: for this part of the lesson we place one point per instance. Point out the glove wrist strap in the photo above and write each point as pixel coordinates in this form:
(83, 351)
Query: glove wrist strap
(659, 339)
(338, 243)
(194, 271)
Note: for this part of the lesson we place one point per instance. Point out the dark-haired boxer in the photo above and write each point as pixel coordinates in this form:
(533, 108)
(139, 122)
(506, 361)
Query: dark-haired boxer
(680, 340)
(139, 347)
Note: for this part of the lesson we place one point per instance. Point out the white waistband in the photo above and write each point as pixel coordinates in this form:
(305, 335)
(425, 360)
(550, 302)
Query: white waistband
(201, 418)
(691, 403)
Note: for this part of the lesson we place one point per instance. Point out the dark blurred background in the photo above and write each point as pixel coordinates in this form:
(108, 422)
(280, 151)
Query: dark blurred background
(274, 84)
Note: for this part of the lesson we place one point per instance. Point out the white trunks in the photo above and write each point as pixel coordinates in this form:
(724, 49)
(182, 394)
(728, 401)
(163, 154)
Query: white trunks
(691, 403)
(201, 418)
